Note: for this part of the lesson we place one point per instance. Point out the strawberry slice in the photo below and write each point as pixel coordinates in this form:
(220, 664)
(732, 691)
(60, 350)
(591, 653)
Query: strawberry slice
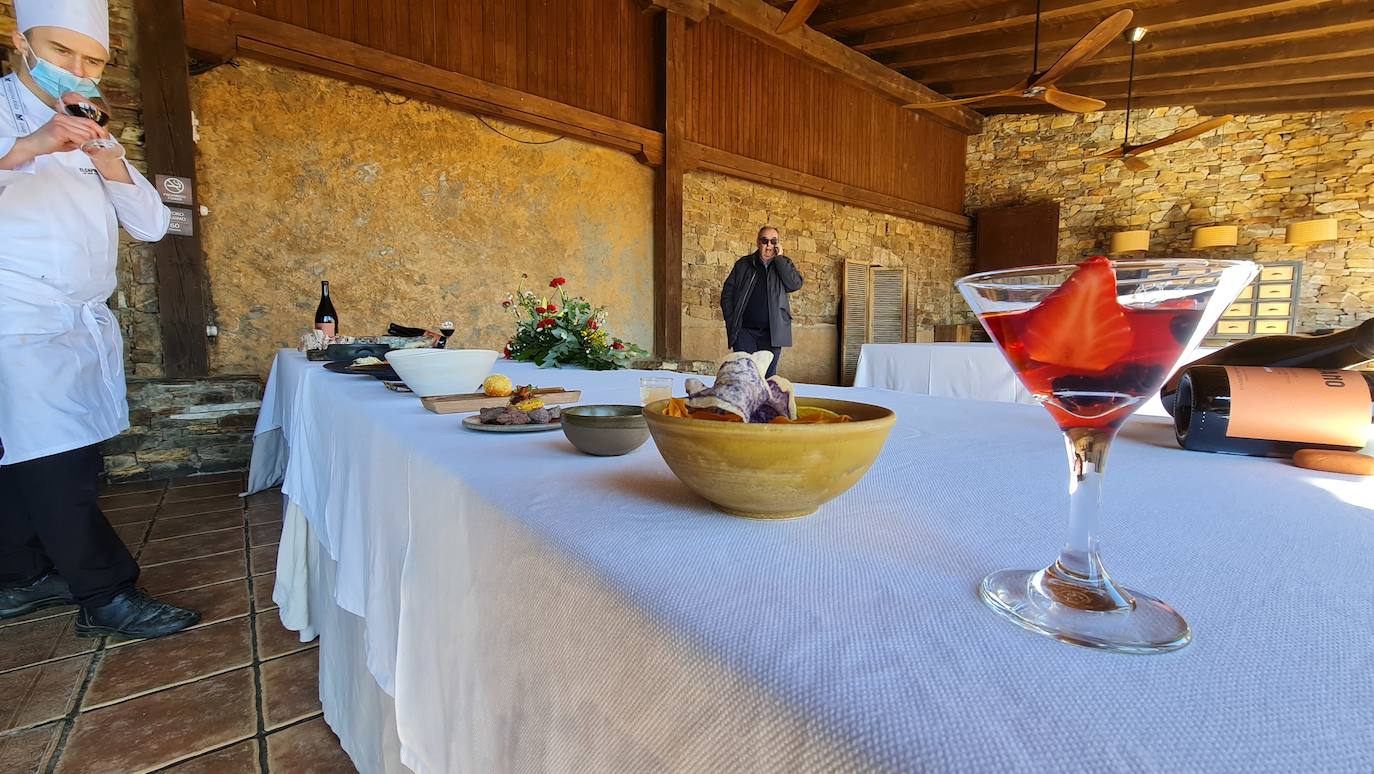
(1081, 326)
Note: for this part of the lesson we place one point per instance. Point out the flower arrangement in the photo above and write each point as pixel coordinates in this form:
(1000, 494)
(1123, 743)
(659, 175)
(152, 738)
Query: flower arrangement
(563, 330)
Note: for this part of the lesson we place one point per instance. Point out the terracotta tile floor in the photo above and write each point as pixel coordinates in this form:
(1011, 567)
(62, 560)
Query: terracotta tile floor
(236, 694)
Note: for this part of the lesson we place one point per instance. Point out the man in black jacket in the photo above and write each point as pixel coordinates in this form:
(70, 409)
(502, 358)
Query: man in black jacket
(758, 315)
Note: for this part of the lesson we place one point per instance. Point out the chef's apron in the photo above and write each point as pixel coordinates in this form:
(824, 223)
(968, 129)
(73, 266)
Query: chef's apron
(61, 353)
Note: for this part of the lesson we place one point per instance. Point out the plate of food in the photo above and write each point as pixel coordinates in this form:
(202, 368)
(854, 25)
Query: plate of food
(525, 412)
(365, 366)
(475, 422)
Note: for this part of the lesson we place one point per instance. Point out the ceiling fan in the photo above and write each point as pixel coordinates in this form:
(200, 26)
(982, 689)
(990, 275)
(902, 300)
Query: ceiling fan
(1130, 154)
(1040, 85)
(797, 15)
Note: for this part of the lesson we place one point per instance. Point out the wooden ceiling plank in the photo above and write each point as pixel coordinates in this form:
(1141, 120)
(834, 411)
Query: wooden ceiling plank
(1291, 106)
(1169, 25)
(1266, 74)
(760, 21)
(1312, 27)
(968, 22)
(1292, 60)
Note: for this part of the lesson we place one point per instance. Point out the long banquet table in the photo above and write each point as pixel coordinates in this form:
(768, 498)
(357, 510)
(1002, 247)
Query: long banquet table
(491, 603)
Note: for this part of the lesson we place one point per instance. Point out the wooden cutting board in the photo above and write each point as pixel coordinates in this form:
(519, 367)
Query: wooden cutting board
(476, 401)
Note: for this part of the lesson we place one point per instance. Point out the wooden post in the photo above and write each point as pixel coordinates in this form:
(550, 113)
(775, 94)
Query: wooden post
(170, 150)
(668, 194)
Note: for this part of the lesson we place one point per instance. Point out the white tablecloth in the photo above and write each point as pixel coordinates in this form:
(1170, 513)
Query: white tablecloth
(945, 370)
(523, 607)
(957, 370)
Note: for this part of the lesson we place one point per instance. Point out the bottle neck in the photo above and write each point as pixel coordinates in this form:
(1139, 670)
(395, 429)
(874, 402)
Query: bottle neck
(324, 289)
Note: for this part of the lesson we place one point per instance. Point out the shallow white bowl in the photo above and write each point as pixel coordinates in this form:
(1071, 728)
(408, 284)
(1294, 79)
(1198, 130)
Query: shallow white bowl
(430, 372)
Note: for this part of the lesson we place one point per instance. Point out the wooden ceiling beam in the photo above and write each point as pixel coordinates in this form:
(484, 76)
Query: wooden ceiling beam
(691, 10)
(1290, 106)
(975, 20)
(1348, 54)
(1187, 97)
(1269, 78)
(1174, 26)
(759, 21)
(863, 14)
(1312, 27)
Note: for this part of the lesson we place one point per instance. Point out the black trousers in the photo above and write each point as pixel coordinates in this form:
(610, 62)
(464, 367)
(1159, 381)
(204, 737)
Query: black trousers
(753, 340)
(50, 520)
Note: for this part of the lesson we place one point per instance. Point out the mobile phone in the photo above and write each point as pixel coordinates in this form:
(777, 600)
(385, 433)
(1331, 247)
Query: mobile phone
(87, 110)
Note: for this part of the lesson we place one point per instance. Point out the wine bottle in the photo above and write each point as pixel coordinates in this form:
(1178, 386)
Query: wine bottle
(1334, 350)
(1272, 412)
(326, 319)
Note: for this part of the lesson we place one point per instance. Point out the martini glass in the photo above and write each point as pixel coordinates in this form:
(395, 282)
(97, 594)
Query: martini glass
(1092, 343)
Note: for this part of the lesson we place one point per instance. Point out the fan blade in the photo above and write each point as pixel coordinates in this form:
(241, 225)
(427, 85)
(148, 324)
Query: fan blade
(1010, 91)
(1134, 164)
(1086, 47)
(952, 102)
(797, 15)
(1179, 136)
(1071, 102)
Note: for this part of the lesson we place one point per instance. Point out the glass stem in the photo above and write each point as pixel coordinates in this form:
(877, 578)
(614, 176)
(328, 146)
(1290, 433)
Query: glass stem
(1077, 578)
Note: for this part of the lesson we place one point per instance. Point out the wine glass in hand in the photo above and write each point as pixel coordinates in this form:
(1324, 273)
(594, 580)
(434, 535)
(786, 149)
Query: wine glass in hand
(93, 108)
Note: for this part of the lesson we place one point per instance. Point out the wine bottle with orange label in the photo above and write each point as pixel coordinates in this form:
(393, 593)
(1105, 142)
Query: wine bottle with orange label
(1272, 412)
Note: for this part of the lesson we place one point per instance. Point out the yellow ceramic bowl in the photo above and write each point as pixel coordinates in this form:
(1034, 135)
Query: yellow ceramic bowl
(771, 471)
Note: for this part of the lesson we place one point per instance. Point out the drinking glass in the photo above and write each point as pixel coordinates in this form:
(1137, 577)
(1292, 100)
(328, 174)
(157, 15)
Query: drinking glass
(93, 108)
(1091, 354)
(652, 388)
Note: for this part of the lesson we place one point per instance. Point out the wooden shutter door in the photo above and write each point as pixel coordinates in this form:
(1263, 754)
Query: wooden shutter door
(887, 304)
(853, 318)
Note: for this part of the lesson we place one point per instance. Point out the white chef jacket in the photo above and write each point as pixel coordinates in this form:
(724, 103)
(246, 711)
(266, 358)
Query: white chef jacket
(61, 354)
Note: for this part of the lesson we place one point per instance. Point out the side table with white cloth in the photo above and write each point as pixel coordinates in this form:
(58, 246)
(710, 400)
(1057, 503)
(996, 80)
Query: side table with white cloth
(970, 370)
(495, 603)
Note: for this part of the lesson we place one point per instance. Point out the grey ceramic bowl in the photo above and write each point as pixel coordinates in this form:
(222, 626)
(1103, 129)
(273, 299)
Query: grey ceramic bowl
(605, 431)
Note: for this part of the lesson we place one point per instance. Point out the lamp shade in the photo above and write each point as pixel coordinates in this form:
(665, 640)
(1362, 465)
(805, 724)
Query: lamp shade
(1130, 241)
(1205, 237)
(1308, 231)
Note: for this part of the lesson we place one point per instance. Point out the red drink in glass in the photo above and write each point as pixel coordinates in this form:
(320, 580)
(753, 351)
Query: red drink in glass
(1078, 397)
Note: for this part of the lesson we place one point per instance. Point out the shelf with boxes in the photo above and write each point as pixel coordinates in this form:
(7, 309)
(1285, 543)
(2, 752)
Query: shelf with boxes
(1268, 306)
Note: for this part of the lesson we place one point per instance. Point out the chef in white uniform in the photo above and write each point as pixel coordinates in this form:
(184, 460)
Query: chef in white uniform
(65, 189)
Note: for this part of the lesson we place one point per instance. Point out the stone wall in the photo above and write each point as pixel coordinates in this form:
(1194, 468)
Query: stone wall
(181, 427)
(415, 213)
(721, 218)
(1260, 172)
(135, 301)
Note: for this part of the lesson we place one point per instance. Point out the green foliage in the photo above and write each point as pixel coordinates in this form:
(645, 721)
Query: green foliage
(573, 332)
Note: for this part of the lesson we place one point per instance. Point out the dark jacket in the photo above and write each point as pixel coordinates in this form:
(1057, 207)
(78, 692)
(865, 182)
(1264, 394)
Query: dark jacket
(783, 279)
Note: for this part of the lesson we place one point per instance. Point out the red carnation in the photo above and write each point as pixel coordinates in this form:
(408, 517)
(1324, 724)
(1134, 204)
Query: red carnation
(557, 281)
(539, 310)
(617, 345)
(552, 308)
(506, 352)
(547, 322)
(591, 325)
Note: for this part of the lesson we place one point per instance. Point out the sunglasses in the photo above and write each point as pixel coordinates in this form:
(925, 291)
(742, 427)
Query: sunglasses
(764, 241)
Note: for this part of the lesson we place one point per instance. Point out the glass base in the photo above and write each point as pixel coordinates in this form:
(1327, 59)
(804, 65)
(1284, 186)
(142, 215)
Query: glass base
(1146, 626)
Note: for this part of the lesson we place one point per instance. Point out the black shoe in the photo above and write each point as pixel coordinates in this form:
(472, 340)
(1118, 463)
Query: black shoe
(133, 614)
(48, 591)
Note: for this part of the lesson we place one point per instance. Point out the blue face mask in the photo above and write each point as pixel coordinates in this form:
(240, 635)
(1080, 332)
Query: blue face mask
(56, 81)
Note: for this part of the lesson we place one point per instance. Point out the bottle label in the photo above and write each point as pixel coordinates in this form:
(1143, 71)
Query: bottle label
(327, 328)
(1302, 405)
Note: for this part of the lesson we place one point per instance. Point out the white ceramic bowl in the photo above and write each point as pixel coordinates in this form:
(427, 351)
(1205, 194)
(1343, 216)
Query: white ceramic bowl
(430, 372)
